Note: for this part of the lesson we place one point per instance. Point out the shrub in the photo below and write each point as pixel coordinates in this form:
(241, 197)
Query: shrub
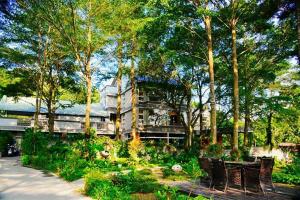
(25, 160)
(34, 142)
(279, 177)
(73, 168)
(136, 181)
(289, 173)
(39, 161)
(5, 139)
(168, 193)
(99, 186)
(192, 168)
(235, 154)
(215, 151)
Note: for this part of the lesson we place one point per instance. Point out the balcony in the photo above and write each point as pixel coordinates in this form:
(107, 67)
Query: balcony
(11, 124)
(162, 129)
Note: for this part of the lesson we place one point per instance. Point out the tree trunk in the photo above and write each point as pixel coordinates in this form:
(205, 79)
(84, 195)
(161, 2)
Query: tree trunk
(298, 28)
(247, 122)
(119, 85)
(51, 117)
(189, 128)
(37, 104)
(134, 133)
(269, 130)
(39, 83)
(213, 115)
(235, 86)
(88, 76)
(88, 98)
(200, 121)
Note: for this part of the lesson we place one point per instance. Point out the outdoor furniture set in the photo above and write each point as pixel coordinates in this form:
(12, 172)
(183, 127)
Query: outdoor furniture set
(243, 174)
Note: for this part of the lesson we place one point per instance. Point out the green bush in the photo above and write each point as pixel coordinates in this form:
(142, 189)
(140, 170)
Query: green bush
(34, 142)
(25, 160)
(168, 193)
(98, 186)
(74, 168)
(288, 173)
(192, 168)
(40, 161)
(136, 181)
(5, 139)
(280, 177)
(214, 151)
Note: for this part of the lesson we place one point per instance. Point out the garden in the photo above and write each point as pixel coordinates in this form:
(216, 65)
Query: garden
(120, 170)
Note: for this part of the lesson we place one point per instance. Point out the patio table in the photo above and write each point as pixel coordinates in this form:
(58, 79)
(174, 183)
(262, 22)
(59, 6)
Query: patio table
(242, 165)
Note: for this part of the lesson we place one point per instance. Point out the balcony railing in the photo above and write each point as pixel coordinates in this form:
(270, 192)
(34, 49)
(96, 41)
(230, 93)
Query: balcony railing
(162, 129)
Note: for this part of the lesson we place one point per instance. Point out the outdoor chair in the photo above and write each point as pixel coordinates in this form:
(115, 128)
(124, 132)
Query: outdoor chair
(219, 174)
(205, 164)
(252, 178)
(266, 169)
(234, 176)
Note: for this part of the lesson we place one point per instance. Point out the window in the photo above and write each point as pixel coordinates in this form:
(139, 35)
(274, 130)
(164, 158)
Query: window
(100, 126)
(102, 119)
(112, 117)
(141, 95)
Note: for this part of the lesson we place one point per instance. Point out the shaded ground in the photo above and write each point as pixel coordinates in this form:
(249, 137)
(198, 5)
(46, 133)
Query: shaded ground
(22, 183)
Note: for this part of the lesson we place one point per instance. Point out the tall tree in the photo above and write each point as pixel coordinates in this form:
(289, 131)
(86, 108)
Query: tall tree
(80, 25)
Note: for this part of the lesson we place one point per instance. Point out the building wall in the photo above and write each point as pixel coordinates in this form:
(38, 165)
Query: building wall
(8, 122)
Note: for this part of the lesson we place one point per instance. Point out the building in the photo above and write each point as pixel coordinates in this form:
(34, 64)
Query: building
(18, 115)
(155, 120)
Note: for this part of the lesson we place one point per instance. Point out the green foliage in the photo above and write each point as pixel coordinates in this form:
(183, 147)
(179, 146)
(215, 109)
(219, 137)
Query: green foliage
(288, 173)
(280, 177)
(5, 139)
(136, 181)
(34, 142)
(168, 193)
(192, 168)
(25, 160)
(214, 151)
(99, 186)
(235, 154)
(119, 186)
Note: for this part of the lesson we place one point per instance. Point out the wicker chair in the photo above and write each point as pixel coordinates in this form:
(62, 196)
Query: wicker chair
(234, 176)
(205, 164)
(219, 174)
(266, 172)
(252, 178)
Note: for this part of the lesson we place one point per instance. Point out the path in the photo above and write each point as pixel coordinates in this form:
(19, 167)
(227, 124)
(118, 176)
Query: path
(22, 183)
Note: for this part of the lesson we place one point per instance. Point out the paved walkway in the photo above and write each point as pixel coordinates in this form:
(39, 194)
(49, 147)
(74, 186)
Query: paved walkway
(22, 183)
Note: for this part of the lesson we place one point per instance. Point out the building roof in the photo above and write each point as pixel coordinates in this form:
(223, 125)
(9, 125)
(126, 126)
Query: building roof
(27, 105)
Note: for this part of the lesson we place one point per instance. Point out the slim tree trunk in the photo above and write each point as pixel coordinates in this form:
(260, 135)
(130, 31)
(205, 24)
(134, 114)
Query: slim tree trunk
(38, 84)
(88, 98)
(247, 121)
(189, 129)
(119, 85)
(269, 130)
(37, 103)
(298, 28)
(200, 121)
(88, 76)
(134, 133)
(213, 115)
(235, 86)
